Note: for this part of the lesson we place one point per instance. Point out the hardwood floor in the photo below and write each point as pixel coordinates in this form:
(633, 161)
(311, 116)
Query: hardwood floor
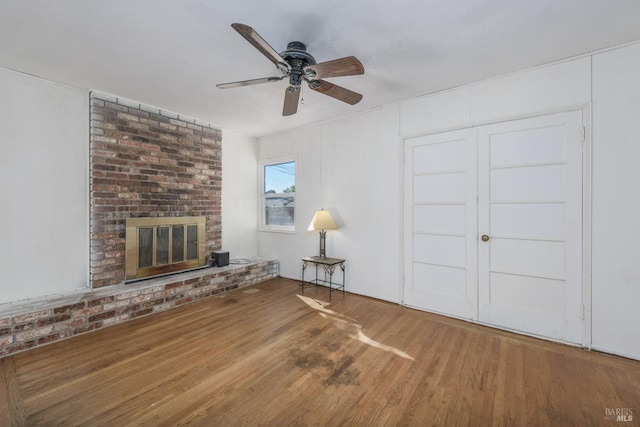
(265, 356)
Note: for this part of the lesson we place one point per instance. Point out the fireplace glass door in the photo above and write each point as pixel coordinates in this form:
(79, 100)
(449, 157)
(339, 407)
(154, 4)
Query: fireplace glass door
(163, 245)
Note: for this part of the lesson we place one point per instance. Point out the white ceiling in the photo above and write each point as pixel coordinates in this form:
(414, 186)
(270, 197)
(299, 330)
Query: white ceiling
(172, 53)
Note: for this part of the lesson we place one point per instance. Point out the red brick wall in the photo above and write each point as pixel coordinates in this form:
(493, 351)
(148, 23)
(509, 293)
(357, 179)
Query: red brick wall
(147, 162)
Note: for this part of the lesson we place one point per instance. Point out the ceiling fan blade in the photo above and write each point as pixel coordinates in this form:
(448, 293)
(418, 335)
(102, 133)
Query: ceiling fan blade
(249, 82)
(259, 43)
(291, 97)
(348, 66)
(335, 91)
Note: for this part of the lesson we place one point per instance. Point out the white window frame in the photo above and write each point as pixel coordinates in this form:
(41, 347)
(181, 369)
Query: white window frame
(262, 225)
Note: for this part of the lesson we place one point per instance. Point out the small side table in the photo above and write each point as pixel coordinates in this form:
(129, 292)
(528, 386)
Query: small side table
(329, 265)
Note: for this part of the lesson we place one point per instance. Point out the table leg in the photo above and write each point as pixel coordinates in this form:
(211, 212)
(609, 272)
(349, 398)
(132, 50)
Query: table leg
(329, 269)
(304, 267)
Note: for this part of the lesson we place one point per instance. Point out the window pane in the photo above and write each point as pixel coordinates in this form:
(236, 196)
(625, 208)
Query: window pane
(280, 178)
(279, 210)
(279, 194)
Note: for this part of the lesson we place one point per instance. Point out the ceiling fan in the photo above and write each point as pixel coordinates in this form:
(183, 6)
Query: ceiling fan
(298, 65)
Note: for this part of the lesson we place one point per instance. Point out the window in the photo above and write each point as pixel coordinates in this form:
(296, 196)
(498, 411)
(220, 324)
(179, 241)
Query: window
(278, 195)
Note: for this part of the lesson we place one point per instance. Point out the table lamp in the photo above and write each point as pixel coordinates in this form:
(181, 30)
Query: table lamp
(322, 221)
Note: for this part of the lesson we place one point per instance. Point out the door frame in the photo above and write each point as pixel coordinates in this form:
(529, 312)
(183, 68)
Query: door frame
(587, 175)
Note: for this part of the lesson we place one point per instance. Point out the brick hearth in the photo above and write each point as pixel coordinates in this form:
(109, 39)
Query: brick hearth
(36, 322)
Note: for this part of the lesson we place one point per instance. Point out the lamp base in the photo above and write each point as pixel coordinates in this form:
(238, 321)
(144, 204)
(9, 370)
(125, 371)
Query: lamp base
(323, 237)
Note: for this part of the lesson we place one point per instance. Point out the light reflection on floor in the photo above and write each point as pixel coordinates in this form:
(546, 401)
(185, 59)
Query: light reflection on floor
(348, 324)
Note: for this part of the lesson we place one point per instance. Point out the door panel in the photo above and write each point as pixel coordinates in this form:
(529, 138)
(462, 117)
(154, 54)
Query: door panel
(532, 146)
(539, 220)
(535, 258)
(440, 249)
(530, 205)
(527, 183)
(439, 279)
(441, 224)
(442, 157)
(528, 293)
(439, 188)
(448, 219)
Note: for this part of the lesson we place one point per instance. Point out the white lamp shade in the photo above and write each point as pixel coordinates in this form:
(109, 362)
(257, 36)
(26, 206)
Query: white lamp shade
(322, 221)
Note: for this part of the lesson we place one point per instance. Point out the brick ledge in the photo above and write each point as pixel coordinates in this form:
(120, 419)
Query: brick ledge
(39, 321)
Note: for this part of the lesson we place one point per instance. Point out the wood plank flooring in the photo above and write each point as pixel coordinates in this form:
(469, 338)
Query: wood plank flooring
(265, 356)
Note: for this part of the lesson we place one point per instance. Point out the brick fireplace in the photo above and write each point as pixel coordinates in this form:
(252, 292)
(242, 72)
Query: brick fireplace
(146, 162)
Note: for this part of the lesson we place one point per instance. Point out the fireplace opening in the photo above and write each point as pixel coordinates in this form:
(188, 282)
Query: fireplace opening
(157, 246)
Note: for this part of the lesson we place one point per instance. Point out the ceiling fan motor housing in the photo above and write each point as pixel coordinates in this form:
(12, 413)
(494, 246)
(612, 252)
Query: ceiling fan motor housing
(297, 57)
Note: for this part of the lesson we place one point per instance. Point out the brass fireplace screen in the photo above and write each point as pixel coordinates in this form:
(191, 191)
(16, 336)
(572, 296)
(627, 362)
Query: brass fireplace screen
(156, 246)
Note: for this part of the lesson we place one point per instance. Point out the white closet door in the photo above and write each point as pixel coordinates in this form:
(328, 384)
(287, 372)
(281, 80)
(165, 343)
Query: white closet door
(440, 220)
(530, 209)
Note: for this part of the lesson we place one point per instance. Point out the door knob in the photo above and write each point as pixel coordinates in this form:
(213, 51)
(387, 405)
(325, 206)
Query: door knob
(485, 238)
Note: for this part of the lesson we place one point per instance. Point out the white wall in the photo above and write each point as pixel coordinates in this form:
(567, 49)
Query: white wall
(44, 195)
(616, 205)
(239, 195)
(560, 86)
(353, 167)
